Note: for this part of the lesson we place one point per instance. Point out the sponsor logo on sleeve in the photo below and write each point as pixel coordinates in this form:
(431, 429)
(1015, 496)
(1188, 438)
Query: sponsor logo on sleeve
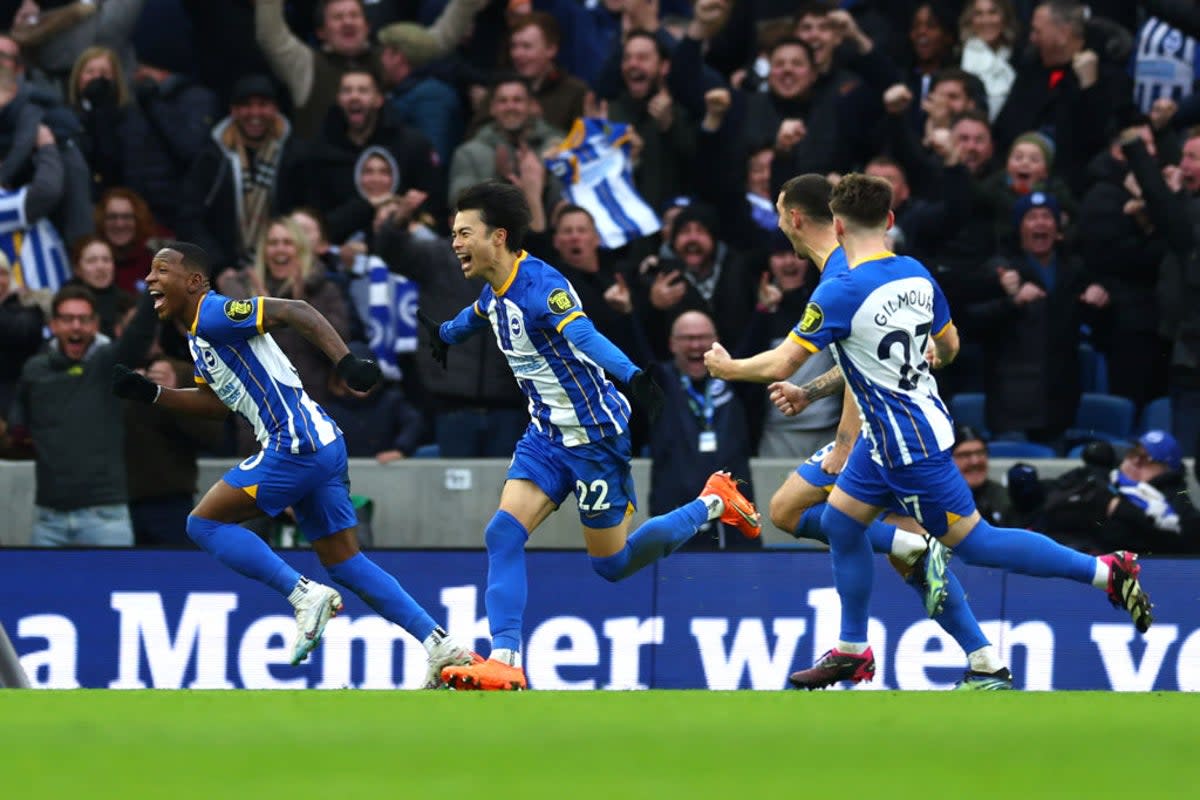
(239, 310)
(560, 302)
(813, 319)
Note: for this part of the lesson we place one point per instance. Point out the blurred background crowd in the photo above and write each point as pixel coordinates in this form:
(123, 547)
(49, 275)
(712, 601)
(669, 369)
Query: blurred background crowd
(1042, 154)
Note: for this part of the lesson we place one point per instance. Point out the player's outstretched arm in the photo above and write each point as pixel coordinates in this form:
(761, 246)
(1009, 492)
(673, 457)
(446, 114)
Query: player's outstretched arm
(582, 333)
(360, 374)
(200, 402)
(776, 364)
(307, 321)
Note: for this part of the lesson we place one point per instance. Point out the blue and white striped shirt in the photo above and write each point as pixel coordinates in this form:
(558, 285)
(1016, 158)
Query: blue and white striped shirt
(879, 315)
(570, 399)
(247, 370)
(1165, 64)
(36, 252)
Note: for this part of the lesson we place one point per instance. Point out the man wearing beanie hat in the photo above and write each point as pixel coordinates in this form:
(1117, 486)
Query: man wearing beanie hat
(1041, 295)
(233, 187)
(702, 274)
(311, 74)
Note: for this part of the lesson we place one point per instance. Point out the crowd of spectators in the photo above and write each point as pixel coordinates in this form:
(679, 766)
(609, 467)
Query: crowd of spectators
(1041, 152)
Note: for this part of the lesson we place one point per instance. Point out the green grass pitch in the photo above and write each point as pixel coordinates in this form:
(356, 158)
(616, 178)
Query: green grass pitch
(175, 745)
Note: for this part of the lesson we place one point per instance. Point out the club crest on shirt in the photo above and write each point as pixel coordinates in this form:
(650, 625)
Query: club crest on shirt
(560, 302)
(238, 310)
(514, 326)
(813, 319)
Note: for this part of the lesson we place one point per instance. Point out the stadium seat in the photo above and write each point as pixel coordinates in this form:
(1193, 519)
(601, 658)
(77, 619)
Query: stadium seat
(970, 408)
(1102, 416)
(1013, 449)
(1156, 416)
(1093, 370)
(428, 451)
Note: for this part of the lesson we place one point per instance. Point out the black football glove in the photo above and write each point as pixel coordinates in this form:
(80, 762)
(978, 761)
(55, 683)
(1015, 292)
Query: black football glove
(437, 348)
(360, 374)
(130, 385)
(647, 394)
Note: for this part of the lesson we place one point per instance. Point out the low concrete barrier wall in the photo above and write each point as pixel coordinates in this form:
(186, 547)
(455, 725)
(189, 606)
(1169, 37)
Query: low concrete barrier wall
(440, 502)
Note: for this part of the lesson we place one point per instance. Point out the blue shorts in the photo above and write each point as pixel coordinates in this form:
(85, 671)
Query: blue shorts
(932, 491)
(315, 485)
(598, 473)
(811, 470)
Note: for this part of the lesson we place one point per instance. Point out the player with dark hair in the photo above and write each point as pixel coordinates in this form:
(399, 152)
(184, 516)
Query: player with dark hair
(578, 436)
(302, 464)
(797, 506)
(882, 317)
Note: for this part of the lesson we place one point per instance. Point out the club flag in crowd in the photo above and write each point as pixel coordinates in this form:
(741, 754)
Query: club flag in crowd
(35, 252)
(392, 315)
(594, 165)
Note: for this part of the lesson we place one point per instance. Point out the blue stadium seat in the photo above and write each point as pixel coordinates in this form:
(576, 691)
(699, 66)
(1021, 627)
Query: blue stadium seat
(1156, 416)
(970, 408)
(1102, 416)
(428, 451)
(1093, 370)
(1003, 448)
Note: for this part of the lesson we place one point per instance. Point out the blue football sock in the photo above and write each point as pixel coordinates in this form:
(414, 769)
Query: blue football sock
(853, 570)
(382, 592)
(956, 617)
(880, 533)
(657, 538)
(243, 551)
(507, 587)
(1024, 552)
(809, 526)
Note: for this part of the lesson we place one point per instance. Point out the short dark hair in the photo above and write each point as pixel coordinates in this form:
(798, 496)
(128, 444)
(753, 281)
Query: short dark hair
(641, 33)
(72, 291)
(502, 77)
(862, 200)
(541, 20)
(810, 193)
(792, 41)
(500, 205)
(975, 115)
(571, 208)
(965, 433)
(195, 259)
(813, 8)
(362, 69)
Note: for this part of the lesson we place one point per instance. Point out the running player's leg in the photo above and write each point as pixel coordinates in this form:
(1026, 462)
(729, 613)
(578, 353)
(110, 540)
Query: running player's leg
(985, 670)
(936, 483)
(797, 506)
(326, 517)
(538, 480)
(606, 497)
(213, 526)
(264, 483)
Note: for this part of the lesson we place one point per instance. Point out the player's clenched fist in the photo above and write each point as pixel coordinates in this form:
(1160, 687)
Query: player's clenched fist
(360, 374)
(789, 398)
(130, 385)
(717, 359)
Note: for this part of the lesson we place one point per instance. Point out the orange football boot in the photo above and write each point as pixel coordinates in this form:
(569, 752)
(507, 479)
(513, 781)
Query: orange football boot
(485, 676)
(739, 512)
